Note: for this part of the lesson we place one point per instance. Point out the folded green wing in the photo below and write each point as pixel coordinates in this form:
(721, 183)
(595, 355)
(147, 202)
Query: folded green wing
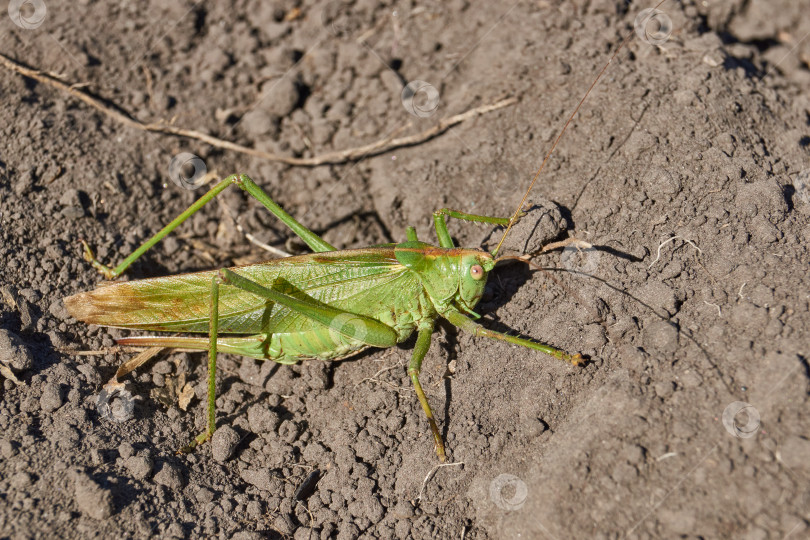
(366, 281)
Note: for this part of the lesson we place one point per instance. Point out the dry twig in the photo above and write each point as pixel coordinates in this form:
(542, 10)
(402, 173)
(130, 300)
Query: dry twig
(340, 156)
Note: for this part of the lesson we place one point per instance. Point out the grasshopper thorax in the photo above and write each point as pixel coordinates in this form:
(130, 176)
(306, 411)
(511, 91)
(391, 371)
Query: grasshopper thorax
(451, 276)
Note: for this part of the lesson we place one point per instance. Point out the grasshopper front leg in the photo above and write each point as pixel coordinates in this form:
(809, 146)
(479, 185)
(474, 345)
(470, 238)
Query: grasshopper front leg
(460, 320)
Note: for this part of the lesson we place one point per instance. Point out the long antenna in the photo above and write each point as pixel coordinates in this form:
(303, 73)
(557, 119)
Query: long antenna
(513, 219)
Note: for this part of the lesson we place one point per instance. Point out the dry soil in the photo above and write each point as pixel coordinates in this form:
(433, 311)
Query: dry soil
(688, 169)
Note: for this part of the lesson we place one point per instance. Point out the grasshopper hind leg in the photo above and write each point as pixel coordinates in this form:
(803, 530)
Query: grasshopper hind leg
(315, 242)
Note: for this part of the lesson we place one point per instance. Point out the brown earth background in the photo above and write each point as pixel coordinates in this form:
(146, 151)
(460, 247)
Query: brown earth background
(688, 169)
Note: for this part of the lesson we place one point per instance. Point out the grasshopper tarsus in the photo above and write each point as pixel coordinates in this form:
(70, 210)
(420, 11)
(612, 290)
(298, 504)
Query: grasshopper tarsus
(90, 257)
(577, 359)
(198, 440)
(440, 451)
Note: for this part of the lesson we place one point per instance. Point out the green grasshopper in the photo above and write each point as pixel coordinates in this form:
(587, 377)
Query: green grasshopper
(329, 304)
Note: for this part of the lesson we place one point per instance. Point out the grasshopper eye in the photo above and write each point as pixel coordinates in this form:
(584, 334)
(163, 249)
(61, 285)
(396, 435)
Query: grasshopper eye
(476, 272)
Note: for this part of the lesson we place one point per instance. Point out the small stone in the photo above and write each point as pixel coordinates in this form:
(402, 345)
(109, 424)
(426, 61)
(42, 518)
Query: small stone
(661, 337)
(664, 389)
(403, 510)
(163, 367)
(58, 310)
(284, 525)
(170, 476)
(254, 509)
(13, 351)
(223, 443)
(52, 397)
(7, 449)
(262, 479)
(258, 122)
(125, 450)
(70, 197)
(96, 457)
(25, 182)
(250, 535)
(714, 58)
(139, 467)
(71, 201)
(204, 495)
(280, 96)
(92, 500)
(174, 530)
(20, 481)
(262, 420)
(72, 212)
(374, 509)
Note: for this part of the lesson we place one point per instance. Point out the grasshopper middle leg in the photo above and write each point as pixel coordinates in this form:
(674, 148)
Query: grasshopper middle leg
(419, 352)
(374, 333)
(440, 223)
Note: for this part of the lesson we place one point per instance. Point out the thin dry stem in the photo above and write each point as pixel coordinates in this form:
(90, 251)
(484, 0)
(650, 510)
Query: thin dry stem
(341, 156)
(430, 475)
(667, 241)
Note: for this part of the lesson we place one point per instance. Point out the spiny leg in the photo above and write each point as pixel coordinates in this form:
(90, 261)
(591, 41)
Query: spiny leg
(440, 223)
(419, 352)
(351, 325)
(460, 320)
(213, 330)
(315, 242)
(373, 333)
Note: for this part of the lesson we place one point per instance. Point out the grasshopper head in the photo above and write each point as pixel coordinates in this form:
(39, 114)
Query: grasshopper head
(474, 267)
(454, 276)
